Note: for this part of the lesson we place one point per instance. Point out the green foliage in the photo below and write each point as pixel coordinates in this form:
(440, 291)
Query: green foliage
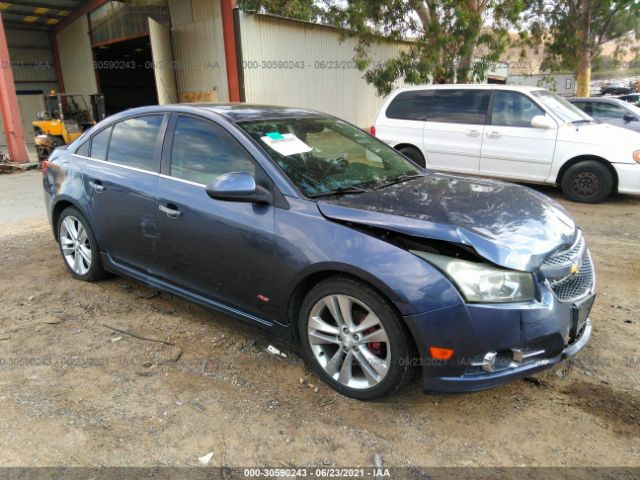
(556, 25)
(449, 39)
(306, 10)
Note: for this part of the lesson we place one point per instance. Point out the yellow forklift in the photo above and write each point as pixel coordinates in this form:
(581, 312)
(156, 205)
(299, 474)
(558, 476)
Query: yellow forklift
(64, 119)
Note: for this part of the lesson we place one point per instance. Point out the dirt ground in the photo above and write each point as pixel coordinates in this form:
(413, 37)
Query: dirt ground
(75, 392)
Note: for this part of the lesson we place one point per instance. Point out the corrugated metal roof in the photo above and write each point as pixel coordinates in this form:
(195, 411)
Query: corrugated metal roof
(39, 14)
(321, 25)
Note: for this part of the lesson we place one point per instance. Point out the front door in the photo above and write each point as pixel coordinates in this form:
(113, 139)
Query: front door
(222, 250)
(511, 147)
(454, 127)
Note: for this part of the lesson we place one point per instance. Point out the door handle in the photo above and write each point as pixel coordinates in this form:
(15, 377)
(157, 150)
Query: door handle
(494, 134)
(170, 210)
(97, 185)
(472, 133)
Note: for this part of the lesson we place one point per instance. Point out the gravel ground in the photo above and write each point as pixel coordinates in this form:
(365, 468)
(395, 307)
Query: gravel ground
(74, 391)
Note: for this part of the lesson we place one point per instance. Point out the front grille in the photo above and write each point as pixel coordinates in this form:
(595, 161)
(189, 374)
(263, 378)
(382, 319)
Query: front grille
(575, 286)
(565, 256)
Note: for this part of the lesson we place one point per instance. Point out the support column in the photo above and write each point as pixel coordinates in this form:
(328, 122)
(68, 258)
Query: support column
(9, 105)
(230, 52)
(56, 60)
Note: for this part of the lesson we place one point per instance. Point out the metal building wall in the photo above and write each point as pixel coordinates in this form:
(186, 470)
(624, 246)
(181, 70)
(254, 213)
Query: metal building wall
(33, 73)
(76, 58)
(32, 59)
(198, 50)
(329, 80)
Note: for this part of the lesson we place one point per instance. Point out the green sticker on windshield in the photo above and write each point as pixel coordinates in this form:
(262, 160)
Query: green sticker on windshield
(275, 135)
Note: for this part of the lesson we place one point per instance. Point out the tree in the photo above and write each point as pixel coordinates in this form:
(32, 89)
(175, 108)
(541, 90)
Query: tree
(307, 10)
(452, 40)
(573, 32)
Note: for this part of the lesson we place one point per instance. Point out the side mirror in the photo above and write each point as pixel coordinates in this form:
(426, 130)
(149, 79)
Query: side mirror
(238, 187)
(542, 121)
(629, 118)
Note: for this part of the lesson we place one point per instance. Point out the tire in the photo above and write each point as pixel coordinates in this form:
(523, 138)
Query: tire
(77, 247)
(588, 181)
(413, 154)
(387, 359)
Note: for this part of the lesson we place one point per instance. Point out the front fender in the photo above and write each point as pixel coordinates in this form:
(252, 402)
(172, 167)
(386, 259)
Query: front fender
(412, 284)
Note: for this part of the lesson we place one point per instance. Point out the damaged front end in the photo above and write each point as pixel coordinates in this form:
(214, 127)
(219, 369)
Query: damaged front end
(521, 311)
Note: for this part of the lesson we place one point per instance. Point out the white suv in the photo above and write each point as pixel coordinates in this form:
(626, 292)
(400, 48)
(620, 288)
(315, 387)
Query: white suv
(527, 134)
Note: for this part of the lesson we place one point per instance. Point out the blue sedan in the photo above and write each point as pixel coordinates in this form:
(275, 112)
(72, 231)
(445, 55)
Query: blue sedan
(303, 224)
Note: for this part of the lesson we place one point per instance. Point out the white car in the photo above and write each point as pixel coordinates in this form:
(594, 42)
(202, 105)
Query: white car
(527, 134)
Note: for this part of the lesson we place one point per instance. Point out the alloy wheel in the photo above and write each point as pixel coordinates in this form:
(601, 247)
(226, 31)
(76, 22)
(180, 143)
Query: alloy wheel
(349, 341)
(75, 244)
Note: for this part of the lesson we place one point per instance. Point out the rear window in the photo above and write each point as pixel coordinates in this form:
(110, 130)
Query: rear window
(450, 106)
(133, 142)
(99, 144)
(410, 105)
(83, 149)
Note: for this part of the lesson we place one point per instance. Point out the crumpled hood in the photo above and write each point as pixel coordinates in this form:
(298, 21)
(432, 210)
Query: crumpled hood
(509, 225)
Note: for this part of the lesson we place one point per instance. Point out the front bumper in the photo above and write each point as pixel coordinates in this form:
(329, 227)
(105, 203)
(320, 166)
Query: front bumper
(628, 177)
(523, 339)
(474, 383)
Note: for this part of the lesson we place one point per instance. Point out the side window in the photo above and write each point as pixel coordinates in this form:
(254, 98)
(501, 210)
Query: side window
(133, 142)
(83, 149)
(202, 151)
(606, 110)
(585, 107)
(512, 109)
(459, 106)
(410, 105)
(99, 144)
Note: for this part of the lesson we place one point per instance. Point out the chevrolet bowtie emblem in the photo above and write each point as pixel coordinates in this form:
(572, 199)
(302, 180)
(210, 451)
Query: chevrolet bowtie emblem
(575, 269)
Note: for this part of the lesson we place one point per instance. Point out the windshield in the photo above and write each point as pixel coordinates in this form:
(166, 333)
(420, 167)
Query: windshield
(325, 155)
(632, 108)
(563, 109)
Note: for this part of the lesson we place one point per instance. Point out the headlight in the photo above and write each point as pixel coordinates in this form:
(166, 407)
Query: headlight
(480, 282)
(636, 156)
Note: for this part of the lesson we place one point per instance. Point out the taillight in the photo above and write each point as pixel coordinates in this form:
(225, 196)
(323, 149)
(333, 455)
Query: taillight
(44, 165)
(372, 130)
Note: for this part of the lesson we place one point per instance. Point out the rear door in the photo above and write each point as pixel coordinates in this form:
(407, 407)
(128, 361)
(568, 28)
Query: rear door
(453, 131)
(403, 122)
(512, 148)
(222, 250)
(121, 176)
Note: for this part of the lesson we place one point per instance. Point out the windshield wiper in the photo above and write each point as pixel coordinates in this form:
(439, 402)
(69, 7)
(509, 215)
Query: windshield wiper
(339, 191)
(398, 179)
(580, 122)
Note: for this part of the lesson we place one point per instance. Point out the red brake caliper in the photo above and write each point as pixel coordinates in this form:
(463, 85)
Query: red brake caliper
(375, 347)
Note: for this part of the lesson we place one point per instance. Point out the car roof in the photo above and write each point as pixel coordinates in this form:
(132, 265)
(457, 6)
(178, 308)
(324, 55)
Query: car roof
(613, 100)
(475, 86)
(235, 112)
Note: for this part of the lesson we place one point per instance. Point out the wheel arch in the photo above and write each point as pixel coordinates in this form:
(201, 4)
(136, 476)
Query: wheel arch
(581, 158)
(308, 281)
(404, 145)
(58, 208)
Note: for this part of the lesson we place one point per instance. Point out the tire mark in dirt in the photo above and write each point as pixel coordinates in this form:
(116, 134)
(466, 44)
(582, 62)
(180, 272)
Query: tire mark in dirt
(619, 409)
